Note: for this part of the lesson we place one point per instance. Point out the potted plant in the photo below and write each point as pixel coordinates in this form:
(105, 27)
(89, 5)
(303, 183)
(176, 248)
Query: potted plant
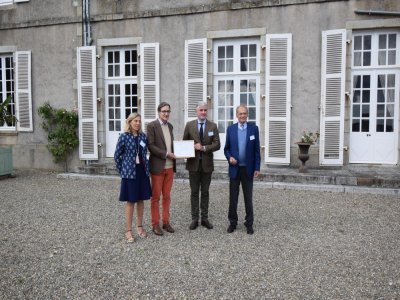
(6, 119)
(306, 140)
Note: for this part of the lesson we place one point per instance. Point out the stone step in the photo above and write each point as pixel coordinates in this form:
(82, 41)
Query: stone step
(352, 176)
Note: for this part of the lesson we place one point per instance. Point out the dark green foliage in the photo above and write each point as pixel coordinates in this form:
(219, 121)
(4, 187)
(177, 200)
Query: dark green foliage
(5, 113)
(61, 126)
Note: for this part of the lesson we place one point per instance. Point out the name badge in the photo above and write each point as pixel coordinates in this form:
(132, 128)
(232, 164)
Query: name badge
(211, 133)
(252, 137)
(142, 144)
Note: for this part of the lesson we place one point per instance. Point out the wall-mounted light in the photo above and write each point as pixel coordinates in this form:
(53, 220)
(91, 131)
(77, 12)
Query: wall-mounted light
(98, 56)
(99, 99)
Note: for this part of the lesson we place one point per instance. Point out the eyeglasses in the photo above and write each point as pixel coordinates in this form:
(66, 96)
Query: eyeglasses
(166, 111)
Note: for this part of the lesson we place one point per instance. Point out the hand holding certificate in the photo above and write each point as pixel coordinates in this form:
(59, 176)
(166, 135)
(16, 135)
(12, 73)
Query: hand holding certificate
(184, 149)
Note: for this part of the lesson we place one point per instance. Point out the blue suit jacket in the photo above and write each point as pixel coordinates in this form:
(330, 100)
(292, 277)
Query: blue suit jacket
(253, 157)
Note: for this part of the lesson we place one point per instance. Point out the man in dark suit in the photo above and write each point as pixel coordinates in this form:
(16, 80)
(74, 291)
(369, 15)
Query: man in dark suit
(206, 141)
(242, 150)
(162, 167)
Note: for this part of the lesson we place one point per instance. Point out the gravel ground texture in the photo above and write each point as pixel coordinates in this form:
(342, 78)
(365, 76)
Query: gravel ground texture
(64, 239)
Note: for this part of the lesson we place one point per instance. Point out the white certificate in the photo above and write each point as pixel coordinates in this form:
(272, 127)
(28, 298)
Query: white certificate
(184, 149)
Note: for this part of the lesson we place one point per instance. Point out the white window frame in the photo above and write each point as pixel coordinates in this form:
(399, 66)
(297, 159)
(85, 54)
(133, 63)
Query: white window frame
(375, 49)
(236, 43)
(10, 2)
(3, 58)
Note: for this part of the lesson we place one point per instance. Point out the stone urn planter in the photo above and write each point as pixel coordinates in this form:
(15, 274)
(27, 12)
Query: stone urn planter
(303, 156)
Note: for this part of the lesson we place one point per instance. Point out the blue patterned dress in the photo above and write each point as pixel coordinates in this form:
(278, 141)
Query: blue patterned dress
(135, 177)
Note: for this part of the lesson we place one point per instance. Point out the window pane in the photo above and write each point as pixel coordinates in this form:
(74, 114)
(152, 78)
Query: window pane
(365, 125)
(229, 88)
(381, 81)
(110, 57)
(252, 113)
(243, 99)
(253, 50)
(366, 82)
(116, 70)
(392, 41)
(380, 125)
(221, 113)
(229, 100)
(243, 65)
(390, 80)
(356, 125)
(389, 126)
(135, 102)
(390, 96)
(221, 100)
(117, 114)
(116, 57)
(357, 59)
(390, 111)
(127, 56)
(221, 66)
(110, 71)
(356, 111)
(221, 127)
(244, 51)
(356, 97)
(252, 99)
(392, 57)
(221, 86)
(221, 52)
(111, 113)
(365, 96)
(367, 42)
(365, 111)
(381, 96)
(366, 58)
(382, 41)
(243, 86)
(229, 114)
(128, 70)
(128, 102)
(357, 81)
(252, 64)
(357, 42)
(229, 65)
(111, 125)
(229, 52)
(118, 126)
(382, 58)
(380, 111)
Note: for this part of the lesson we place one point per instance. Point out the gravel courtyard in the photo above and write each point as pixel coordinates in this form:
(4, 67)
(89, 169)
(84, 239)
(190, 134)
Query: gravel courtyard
(64, 239)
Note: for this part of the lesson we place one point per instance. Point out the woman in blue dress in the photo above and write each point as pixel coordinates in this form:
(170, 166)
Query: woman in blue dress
(133, 166)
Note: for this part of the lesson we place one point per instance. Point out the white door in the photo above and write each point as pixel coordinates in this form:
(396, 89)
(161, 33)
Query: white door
(121, 98)
(374, 117)
(121, 101)
(230, 93)
(236, 82)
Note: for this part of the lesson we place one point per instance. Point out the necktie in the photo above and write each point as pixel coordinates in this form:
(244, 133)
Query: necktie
(201, 132)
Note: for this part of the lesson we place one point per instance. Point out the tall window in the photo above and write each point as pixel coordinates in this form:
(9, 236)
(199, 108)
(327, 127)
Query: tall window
(121, 86)
(236, 79)
(375, 71)
(7, 86)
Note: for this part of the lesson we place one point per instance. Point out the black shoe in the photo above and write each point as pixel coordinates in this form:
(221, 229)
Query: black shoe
(250, 230)
(206, 224)
(193, 225)
(231, 228)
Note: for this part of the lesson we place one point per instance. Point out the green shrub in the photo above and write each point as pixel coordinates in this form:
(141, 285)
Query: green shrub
(61, 127)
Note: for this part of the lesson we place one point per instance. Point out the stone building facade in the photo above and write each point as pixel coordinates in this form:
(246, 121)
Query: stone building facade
(327, 66)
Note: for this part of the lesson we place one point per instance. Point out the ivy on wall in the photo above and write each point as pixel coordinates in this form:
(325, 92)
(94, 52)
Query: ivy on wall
(61, 127)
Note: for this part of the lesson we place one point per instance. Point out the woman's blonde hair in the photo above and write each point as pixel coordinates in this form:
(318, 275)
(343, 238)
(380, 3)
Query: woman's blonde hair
(127, 127)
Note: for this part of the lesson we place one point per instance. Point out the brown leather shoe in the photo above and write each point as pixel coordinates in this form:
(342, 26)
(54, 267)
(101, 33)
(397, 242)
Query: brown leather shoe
(168, 228)
(157, 230)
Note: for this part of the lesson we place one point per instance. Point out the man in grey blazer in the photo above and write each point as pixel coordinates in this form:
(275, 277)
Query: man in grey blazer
(206, 140)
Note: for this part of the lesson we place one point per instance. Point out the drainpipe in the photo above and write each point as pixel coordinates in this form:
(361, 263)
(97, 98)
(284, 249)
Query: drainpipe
(377, 12)
(87, 37)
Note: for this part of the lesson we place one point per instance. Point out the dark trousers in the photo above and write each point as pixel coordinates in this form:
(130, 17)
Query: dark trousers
(199, 181)
(247, 188)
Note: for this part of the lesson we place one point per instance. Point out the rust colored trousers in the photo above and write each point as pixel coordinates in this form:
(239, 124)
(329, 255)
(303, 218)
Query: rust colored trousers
(161, 184)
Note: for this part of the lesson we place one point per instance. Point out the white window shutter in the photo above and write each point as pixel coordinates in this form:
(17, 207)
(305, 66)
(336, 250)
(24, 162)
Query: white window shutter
(87, 103)
(333, 67)
(278, 72)
(195, 76)
(150, 82)
(23, 94)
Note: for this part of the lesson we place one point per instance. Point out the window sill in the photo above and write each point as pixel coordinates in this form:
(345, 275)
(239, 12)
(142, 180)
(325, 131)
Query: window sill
(8, 133)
